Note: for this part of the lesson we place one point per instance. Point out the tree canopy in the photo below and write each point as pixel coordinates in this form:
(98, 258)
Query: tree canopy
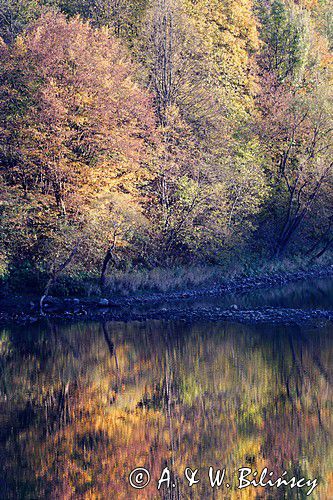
(170, 131)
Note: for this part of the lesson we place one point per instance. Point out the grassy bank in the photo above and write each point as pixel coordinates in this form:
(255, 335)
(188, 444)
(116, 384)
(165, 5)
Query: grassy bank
(164, 280)
(134, 282)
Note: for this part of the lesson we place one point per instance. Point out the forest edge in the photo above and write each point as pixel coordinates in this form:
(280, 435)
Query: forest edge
(25, 309)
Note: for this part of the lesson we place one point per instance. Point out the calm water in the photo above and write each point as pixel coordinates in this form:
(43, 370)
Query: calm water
(82, 405)
(309, 294)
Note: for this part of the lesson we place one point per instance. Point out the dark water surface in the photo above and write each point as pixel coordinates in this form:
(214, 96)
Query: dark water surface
(307, 294)
(81, 405)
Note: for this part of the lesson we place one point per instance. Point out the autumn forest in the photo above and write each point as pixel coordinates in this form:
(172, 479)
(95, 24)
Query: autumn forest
(159, 133)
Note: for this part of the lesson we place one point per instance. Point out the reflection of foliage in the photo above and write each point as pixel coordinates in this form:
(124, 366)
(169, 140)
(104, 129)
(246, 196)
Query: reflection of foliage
(83, 414)
(5, 345)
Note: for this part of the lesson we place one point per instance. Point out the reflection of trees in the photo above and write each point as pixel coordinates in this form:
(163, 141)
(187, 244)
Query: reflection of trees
(297, 420)
(113, 354)
(83, 404)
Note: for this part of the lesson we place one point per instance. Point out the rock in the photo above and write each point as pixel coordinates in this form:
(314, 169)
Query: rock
(103, 302)
(52, 300)
(113, 304)
(74, 302)
(53, 303)
(234, 307)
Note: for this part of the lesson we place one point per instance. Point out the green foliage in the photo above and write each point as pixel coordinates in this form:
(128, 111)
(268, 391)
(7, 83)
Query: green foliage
(120, 16)
(285, 33)
(15, 15)
(324, 18)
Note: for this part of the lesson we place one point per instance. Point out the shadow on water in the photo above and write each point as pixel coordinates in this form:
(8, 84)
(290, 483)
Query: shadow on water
(308, 294)
(84, 404)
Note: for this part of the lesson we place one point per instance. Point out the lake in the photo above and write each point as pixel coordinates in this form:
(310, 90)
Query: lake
(84, 404)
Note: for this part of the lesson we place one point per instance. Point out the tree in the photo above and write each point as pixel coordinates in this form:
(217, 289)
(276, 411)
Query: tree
(295, 125)
(120, 16)
(74, 127)
(203, 108)
(297, 132)
(231, 33)
(15, 15)
(285, 34)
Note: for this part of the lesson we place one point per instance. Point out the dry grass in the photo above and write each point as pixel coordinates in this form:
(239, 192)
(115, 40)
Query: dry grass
(186, 278)
(163, 279)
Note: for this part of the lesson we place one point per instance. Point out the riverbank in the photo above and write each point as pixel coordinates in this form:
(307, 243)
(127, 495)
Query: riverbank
(25, 309)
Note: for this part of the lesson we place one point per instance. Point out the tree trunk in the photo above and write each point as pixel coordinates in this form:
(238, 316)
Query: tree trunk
(326, 247)
(107, 258)
(54, 276)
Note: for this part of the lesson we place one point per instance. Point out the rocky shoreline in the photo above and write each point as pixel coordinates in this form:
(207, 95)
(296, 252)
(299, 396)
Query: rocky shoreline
(21, 311)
